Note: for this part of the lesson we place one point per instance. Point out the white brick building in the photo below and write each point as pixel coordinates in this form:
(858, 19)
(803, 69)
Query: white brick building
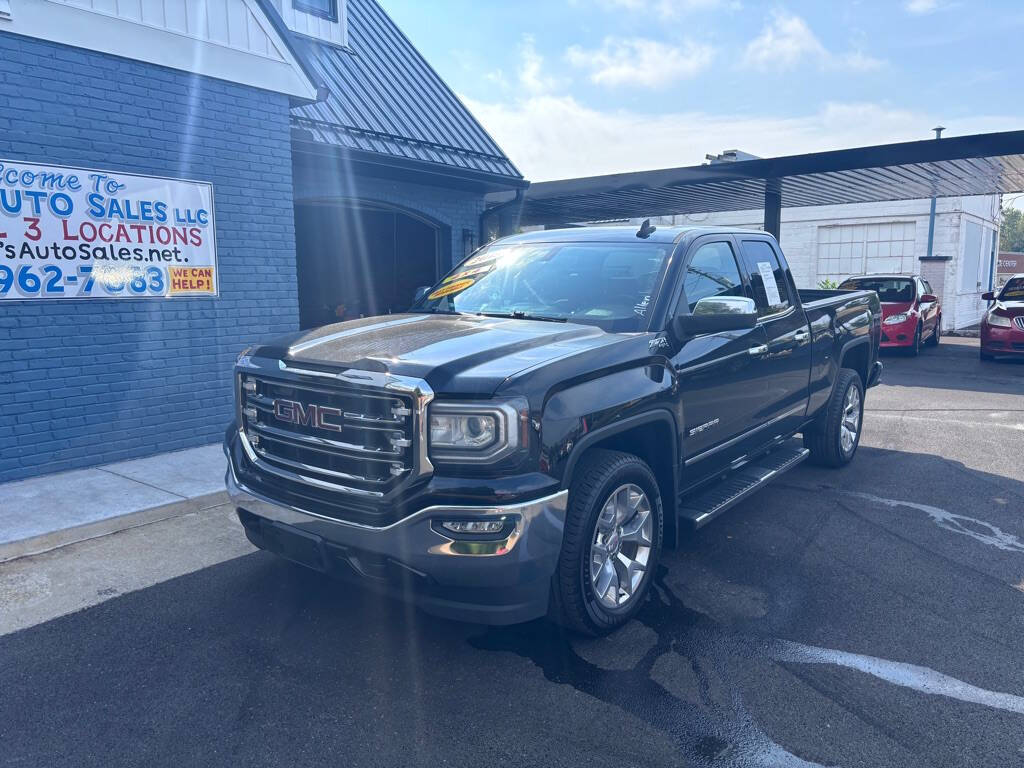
(836, 241)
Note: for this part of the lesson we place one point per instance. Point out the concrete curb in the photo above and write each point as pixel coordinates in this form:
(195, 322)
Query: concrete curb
(45, 542)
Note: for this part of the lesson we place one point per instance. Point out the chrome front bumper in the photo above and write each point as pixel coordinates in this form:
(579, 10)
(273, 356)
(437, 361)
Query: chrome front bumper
(473, 579)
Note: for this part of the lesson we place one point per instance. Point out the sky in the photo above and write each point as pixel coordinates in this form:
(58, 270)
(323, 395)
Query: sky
(585, 87)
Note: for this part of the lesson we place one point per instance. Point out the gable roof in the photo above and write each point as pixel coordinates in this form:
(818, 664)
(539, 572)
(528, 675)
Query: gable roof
(384, 98)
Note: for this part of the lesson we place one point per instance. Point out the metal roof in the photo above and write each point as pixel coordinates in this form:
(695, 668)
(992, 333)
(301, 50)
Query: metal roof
(981, 164)
(384, 98)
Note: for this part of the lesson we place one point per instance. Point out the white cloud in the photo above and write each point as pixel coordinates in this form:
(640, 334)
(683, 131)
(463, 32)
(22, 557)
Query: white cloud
(667, 9)
(641, 62)
(921, 7)
(532, 75)
(787, 40)
(782, 43)
(555, 137)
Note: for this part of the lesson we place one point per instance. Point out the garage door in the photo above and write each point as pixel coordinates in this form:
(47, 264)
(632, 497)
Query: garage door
(855, 249)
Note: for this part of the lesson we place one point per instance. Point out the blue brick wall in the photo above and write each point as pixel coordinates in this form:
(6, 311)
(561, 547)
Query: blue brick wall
(94, 381)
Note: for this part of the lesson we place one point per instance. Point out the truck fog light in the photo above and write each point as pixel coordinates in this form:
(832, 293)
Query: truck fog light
(474, 526)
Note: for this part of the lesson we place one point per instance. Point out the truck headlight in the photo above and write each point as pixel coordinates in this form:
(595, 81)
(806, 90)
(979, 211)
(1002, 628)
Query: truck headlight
(894, 319)
(1000, 321)
(476, 432)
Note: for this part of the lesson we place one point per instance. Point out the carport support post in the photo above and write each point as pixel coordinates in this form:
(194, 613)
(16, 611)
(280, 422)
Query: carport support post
(773, 207)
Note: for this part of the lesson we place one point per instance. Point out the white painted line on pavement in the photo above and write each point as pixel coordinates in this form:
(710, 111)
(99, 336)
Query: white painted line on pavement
(995, 537)
(899, 673)
(902, 417)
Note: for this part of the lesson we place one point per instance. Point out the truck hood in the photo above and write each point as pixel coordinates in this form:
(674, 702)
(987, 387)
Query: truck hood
(455, 354)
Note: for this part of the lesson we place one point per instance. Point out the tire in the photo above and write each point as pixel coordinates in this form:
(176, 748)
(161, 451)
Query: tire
(826, 440)
(598, 483)
(915, 348)
(933, 340)
(986, 356)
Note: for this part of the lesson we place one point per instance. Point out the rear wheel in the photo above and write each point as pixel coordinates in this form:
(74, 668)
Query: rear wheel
(834, 440)
(611, 544)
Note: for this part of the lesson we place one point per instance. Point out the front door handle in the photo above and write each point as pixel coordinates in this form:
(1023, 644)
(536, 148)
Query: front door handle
(801, 336)
(760, 349)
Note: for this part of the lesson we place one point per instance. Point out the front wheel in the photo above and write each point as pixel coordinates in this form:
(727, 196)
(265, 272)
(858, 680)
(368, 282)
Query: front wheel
(933, 340)
(834, 439)
(611, 544)
(915, 346)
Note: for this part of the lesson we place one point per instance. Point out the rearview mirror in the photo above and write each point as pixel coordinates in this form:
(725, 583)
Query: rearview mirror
(989, 296)
(715, 314)
(928, 298)
(420, 293)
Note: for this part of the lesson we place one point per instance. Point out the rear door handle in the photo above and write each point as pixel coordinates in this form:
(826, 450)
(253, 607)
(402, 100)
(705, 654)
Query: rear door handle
(760, 349)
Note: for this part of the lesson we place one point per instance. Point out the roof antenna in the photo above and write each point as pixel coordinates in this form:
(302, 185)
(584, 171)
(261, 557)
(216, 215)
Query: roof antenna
(646, 230)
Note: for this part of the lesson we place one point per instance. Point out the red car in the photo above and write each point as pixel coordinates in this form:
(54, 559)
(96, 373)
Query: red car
(911, 312)
(1002, 327)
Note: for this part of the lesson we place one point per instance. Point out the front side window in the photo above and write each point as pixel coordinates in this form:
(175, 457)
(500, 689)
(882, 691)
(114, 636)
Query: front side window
(712, 272)
(767, 277)
(325, 9)
(610, 285)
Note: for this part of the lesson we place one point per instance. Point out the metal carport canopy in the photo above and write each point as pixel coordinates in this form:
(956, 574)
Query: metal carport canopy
(982, 164)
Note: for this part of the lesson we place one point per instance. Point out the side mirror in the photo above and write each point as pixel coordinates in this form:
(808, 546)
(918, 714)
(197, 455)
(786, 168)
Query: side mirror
(715, 314)
(420, 293)
(989, 296)
(928, 298)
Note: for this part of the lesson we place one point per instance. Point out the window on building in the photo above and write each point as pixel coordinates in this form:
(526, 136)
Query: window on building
(325, 9)
(767, 277)
(856, 249)
(712, 272)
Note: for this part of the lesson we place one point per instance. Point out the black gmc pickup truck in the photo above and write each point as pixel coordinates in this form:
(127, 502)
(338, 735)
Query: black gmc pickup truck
(563, 404)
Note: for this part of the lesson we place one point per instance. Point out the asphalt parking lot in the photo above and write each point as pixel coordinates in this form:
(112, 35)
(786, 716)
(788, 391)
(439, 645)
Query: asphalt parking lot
(872, 616)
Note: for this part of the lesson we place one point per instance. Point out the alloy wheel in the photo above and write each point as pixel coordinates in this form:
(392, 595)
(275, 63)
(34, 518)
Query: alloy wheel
(850, 424)
(622, 546)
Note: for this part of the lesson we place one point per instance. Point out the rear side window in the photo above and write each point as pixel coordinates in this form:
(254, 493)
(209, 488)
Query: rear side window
(767, 277)
(712, 272)
(890, 290)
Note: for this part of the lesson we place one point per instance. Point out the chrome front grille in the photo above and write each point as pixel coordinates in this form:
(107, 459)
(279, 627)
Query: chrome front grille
(1019, 321)
(352, 432)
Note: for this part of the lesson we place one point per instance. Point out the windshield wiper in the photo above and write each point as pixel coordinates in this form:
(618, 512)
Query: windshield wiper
(520, 315)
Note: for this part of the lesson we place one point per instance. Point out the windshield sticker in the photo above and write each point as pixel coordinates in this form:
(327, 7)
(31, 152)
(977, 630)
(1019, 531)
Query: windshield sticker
(771, 288)
(483, 258)
(468, 273)
(447, 290)
(641, 308)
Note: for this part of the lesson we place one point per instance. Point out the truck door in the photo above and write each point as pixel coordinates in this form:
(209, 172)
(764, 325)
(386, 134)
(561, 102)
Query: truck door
(720, 397)
(783, 371)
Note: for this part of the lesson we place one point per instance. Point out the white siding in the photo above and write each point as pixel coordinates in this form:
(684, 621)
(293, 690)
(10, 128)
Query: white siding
(232, 40)
(315, 26)
(230, 23)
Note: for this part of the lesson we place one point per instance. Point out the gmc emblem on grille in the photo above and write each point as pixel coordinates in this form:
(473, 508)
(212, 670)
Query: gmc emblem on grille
(311, 415)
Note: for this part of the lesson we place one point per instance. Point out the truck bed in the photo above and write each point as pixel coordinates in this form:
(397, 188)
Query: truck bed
(824, 296)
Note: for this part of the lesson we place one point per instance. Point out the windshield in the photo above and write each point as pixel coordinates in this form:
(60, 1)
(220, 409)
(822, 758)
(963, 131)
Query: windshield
(894, 290)
(605, 284)
(1013, 290)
